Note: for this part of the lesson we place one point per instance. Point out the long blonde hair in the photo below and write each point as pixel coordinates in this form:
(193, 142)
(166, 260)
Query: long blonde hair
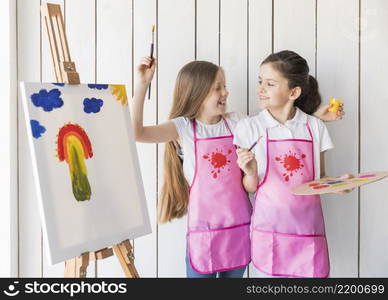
(192, 86)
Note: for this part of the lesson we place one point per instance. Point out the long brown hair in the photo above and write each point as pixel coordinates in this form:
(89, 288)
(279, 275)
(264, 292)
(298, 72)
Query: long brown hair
(192, 86)
(296, 70)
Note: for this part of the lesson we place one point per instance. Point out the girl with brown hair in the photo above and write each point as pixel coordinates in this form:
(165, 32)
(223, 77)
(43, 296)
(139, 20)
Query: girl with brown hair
(288, 231)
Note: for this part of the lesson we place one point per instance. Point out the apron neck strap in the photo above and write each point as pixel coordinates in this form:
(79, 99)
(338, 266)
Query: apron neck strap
(309, 129)
(195, 129)
(227, 126)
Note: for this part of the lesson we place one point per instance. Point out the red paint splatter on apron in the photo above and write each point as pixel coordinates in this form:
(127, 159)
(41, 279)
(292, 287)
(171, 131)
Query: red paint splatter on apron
(218, 160)
(292, 163)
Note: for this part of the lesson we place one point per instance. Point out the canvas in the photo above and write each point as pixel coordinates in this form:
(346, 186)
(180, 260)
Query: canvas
(85, 166)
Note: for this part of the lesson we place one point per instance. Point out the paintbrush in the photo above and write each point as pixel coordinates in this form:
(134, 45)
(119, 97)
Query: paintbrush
(151, 55)
(254, 144)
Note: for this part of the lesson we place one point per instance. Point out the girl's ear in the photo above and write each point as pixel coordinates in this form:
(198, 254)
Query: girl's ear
(295, 93)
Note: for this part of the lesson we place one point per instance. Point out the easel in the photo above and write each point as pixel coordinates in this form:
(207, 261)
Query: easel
(65, 72)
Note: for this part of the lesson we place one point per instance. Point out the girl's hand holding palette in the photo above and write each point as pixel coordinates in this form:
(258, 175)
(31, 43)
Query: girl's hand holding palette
(336, 184)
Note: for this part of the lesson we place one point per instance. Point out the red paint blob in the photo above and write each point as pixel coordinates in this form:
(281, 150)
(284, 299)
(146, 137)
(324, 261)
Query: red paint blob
(291, 163)
(218, 160)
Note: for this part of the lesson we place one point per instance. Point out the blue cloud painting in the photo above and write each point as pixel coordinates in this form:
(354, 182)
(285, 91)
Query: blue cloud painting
(58, 84)
(98, 86)
(37, 129)
(92, 105)
(47, 100)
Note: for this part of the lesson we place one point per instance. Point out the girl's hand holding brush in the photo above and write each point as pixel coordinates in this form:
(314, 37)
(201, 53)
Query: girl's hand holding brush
(146, 70)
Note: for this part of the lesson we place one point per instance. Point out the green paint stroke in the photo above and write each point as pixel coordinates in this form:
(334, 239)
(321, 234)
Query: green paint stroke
(340, 184)
(78, 172)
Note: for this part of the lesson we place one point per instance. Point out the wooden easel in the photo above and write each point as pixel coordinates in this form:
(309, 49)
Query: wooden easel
(65, 72)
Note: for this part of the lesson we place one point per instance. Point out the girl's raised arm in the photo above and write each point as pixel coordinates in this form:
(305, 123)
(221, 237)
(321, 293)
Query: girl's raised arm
(162, 133)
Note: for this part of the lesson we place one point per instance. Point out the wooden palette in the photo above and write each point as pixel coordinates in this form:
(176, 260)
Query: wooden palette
(335, 184)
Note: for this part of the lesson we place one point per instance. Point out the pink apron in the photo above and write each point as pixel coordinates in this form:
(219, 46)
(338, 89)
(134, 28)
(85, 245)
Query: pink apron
(219, 210)
(288, 232)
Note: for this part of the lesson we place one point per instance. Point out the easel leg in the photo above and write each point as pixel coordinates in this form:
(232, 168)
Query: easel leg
(70, 268)
(76, 267)
(124, 253)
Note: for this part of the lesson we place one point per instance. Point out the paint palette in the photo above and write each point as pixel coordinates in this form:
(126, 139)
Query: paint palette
(335, 184)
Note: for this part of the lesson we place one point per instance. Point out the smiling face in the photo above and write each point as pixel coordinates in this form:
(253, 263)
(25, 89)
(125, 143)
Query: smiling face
(215, 102)
(272, 89)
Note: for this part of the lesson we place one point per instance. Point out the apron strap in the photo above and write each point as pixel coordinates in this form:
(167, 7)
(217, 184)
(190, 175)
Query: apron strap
(266, 168)
(195, 153)
(195, 130)
(309, 129)
(227, 126)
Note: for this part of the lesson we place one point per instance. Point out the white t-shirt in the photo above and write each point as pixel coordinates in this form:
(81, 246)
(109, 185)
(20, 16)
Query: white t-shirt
(250, 129)
(184, 127)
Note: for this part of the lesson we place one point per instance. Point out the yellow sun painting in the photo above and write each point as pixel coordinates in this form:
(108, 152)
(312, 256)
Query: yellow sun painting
(119, 92)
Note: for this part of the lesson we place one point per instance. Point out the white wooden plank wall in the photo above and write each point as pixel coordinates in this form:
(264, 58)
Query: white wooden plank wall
(374, 140)
(337, 75)
(176, 47)
(8, 141)
(146, 247)
(107, 39)
(29, 69)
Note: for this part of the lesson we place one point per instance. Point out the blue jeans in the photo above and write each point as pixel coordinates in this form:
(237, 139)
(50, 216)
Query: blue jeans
(191, 273)
(255, 273)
